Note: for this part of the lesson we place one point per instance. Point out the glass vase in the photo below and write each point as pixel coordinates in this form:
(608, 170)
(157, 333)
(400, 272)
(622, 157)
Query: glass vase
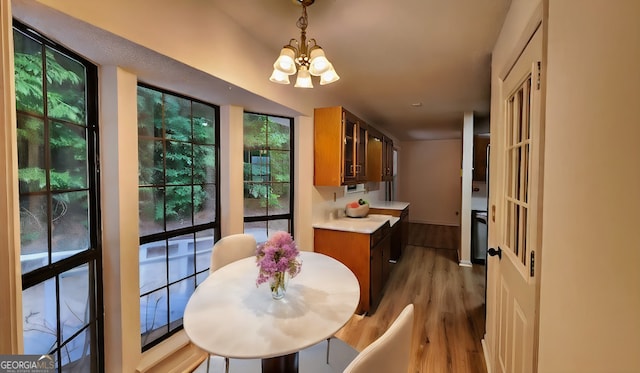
(278, 285)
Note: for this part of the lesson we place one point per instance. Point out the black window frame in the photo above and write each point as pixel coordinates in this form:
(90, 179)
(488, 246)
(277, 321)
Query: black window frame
(268, 217)
(193, 229)
(93, 255)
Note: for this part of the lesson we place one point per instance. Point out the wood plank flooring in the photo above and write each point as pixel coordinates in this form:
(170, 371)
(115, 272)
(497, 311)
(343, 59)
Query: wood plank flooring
(449, 306)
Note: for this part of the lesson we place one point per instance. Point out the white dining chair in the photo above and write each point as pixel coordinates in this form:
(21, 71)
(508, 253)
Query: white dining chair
(391, 352)
(229, 249)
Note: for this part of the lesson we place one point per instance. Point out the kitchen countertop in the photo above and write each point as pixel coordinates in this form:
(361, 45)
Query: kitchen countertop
(389, 205)
(367, 225)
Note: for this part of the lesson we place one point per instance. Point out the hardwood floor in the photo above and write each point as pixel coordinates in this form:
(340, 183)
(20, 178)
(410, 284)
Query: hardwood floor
(448, 300)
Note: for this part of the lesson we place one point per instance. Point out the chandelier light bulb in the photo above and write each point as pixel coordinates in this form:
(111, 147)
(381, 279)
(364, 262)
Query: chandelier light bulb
(279, 77)
(329, 76)
(285, 62)
(318, 63)
(304, 78)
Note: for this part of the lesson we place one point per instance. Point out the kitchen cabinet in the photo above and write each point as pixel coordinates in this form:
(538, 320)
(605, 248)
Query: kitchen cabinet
(379, 156)
(365, 254)
(340, 147)
(400, 233)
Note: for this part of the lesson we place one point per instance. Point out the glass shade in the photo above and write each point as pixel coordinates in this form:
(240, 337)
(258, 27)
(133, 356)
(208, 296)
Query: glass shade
(279, 77)
(319, 64)
(304, 78)
(285, 63)
(329, 76)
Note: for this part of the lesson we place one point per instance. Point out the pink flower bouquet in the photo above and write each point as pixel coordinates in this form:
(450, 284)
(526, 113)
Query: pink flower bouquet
(277, 257)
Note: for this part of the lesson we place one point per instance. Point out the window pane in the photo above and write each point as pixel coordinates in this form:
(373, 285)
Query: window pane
(258, 229)
(28, 74)
(204, 164)
(279, 133)
(278, 225)
(179, 294)
(149, 112)
(201, 277)
(181, 257)
(279, 202)
(179, 207)
(153, 267)
(68, 156)
(204, 121)
(76, 354)
(204, 244)
(66, 88)
(280, 162)
(177, 118)
(74, 301)
(150, 162)
(31, 175)
(34, 229)
(178, 163)
(153, 316)
(204, 197)
(254, 131)
(40, 317)
(255, 199)
(151, 209)
(71, 221)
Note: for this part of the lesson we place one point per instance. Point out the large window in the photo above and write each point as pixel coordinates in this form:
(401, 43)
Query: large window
(178, 191)
(56, 102)
(268, 173)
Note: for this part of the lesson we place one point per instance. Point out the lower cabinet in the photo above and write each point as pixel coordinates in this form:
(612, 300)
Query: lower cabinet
(400, 234)
(366, 255)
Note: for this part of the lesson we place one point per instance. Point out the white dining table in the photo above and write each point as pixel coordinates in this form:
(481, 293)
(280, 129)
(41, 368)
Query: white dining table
(228, 315)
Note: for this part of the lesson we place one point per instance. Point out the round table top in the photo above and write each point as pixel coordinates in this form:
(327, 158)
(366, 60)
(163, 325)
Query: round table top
(229, 316)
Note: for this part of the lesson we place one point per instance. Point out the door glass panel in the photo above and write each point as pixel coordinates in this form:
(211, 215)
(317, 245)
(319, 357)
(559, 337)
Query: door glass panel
(349, 145)
(517, 165)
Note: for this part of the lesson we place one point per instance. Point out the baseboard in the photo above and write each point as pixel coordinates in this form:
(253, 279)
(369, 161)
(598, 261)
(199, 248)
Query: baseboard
(465, 263)
(485, 350)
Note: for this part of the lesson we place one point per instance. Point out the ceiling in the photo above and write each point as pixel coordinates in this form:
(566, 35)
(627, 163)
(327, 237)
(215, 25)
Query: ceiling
(411, 68)
(390, 55)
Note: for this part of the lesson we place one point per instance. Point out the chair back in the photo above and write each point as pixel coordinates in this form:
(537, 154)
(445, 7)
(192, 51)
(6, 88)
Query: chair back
(231, 248)
(391, 351)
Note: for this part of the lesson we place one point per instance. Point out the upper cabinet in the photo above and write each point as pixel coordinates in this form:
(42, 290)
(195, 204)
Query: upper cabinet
(340, 147)
(379, 156)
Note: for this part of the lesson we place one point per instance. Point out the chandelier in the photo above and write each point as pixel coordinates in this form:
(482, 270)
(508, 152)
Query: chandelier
(304, 57)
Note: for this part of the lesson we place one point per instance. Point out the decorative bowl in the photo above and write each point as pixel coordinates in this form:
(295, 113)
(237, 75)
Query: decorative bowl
(357, 212)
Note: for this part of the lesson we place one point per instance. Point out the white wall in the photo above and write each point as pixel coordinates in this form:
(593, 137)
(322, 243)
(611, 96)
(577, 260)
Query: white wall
(590, 286)
(429, 179)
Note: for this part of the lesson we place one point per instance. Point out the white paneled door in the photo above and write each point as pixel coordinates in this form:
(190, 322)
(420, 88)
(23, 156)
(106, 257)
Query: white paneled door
(518, 214)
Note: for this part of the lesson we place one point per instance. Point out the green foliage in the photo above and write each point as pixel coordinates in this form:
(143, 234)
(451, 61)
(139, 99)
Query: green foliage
(65, 100)
(187, 157)
(269, 141)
